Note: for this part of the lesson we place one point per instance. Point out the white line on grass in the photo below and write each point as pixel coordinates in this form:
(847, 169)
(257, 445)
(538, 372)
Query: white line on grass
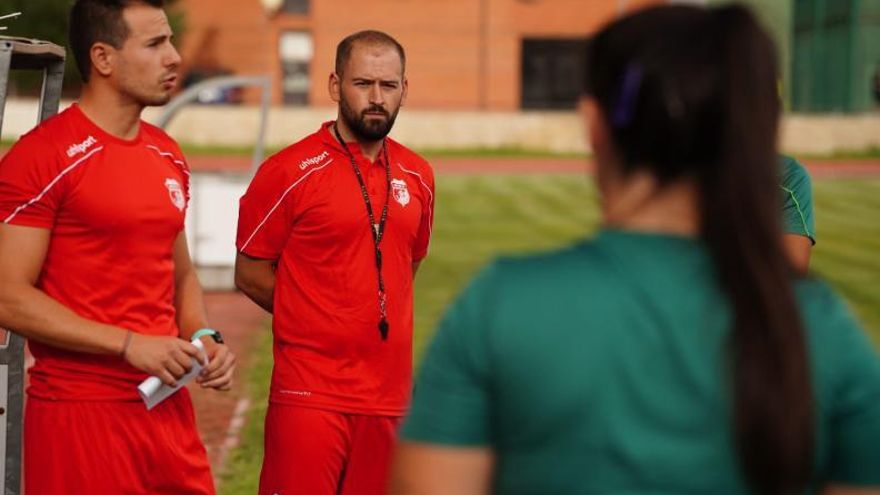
(233, 434)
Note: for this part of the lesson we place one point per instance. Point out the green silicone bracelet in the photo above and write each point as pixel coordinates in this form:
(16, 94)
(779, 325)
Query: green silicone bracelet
(202, 332)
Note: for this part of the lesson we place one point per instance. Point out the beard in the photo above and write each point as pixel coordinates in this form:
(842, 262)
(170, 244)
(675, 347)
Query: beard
(365, 128)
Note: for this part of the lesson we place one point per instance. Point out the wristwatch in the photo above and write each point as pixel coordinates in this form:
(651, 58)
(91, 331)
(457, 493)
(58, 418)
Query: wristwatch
(215, 335)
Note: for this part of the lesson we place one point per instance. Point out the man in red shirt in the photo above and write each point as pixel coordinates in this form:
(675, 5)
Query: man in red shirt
(330, 234)
(95, 272)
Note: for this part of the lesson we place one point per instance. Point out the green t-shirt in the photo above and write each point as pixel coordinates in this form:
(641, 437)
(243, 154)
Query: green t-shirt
(797, 199)
(600, 369)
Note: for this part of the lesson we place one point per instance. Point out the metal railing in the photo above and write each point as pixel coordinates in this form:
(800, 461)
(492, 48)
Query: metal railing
(21, 54)
(219, 83)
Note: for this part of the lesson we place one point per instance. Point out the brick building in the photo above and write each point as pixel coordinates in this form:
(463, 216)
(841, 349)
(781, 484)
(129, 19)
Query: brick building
(462, 54)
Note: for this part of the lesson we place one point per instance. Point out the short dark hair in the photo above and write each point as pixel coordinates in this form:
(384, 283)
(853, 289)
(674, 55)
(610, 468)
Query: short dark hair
(368, 37)
(94, 21)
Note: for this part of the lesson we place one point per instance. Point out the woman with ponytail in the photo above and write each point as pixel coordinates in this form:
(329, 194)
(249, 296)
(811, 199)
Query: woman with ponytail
(678, 351)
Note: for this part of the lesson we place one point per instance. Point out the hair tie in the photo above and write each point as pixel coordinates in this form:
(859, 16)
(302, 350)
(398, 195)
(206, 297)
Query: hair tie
(629, 92)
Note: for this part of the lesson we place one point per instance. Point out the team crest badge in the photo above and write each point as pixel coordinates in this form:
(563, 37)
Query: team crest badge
(176, 193)
(400, 192)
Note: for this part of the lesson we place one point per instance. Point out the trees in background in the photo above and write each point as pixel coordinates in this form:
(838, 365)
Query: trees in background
(47, 20)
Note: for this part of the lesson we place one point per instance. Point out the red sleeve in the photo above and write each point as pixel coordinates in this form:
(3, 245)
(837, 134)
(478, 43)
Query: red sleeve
(32, 184)
(423, 237)
(168, 148)
(265, 213)
(179, 159)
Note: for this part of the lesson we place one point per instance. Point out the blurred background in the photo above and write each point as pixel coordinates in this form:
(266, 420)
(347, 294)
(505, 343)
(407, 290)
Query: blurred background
(493, 87)
(472, 60)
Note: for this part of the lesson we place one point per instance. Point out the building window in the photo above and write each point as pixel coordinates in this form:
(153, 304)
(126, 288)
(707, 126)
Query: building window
(552, 72)
(295, 51)
(295, 6)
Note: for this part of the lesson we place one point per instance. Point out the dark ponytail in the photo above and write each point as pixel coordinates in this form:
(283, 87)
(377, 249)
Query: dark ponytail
(707, 108)
(773, 404)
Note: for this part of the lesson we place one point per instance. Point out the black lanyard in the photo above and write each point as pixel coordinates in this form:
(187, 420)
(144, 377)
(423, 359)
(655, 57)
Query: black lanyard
(377, 229)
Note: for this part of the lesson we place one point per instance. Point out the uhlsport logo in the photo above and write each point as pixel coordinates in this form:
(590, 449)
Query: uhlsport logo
(313, 160)
(176, 193)
(78, 148)
(400, 192)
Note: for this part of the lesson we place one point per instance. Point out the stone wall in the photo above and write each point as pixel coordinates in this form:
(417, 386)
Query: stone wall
(560, 132)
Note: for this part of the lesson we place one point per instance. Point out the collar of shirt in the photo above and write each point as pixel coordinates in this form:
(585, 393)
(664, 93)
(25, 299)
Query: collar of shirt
(330, 142)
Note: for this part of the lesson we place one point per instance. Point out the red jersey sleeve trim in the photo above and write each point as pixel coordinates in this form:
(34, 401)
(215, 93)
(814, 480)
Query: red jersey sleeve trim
(179, 163)
(430, 196)
(277, 203)
(51, 184)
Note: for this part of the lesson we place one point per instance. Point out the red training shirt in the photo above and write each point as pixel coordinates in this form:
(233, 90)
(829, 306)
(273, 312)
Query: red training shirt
(115, 208)
(305, 210)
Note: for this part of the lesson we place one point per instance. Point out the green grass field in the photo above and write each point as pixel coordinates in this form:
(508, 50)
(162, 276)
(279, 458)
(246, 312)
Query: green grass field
(479, 217)
(190, 150)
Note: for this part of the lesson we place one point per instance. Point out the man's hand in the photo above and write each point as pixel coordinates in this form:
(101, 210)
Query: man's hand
(168, 358)
(221, 365)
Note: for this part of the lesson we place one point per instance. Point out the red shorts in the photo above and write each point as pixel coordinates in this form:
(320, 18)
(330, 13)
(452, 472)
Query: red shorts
(114, 448)
(317, 452)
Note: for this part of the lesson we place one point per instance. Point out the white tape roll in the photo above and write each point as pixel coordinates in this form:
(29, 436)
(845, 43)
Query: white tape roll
(153, 391)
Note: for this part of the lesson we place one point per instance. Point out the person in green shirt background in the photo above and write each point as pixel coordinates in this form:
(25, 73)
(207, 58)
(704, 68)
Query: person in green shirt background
(797, 213)
(678, 351)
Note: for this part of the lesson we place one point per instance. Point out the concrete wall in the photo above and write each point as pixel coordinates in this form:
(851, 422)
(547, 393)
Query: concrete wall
(827, 133)
(560, 132)
(211, 225)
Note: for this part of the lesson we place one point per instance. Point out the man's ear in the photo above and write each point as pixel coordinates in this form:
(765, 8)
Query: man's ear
(103, 57)
(334, 84)
(405, 91)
